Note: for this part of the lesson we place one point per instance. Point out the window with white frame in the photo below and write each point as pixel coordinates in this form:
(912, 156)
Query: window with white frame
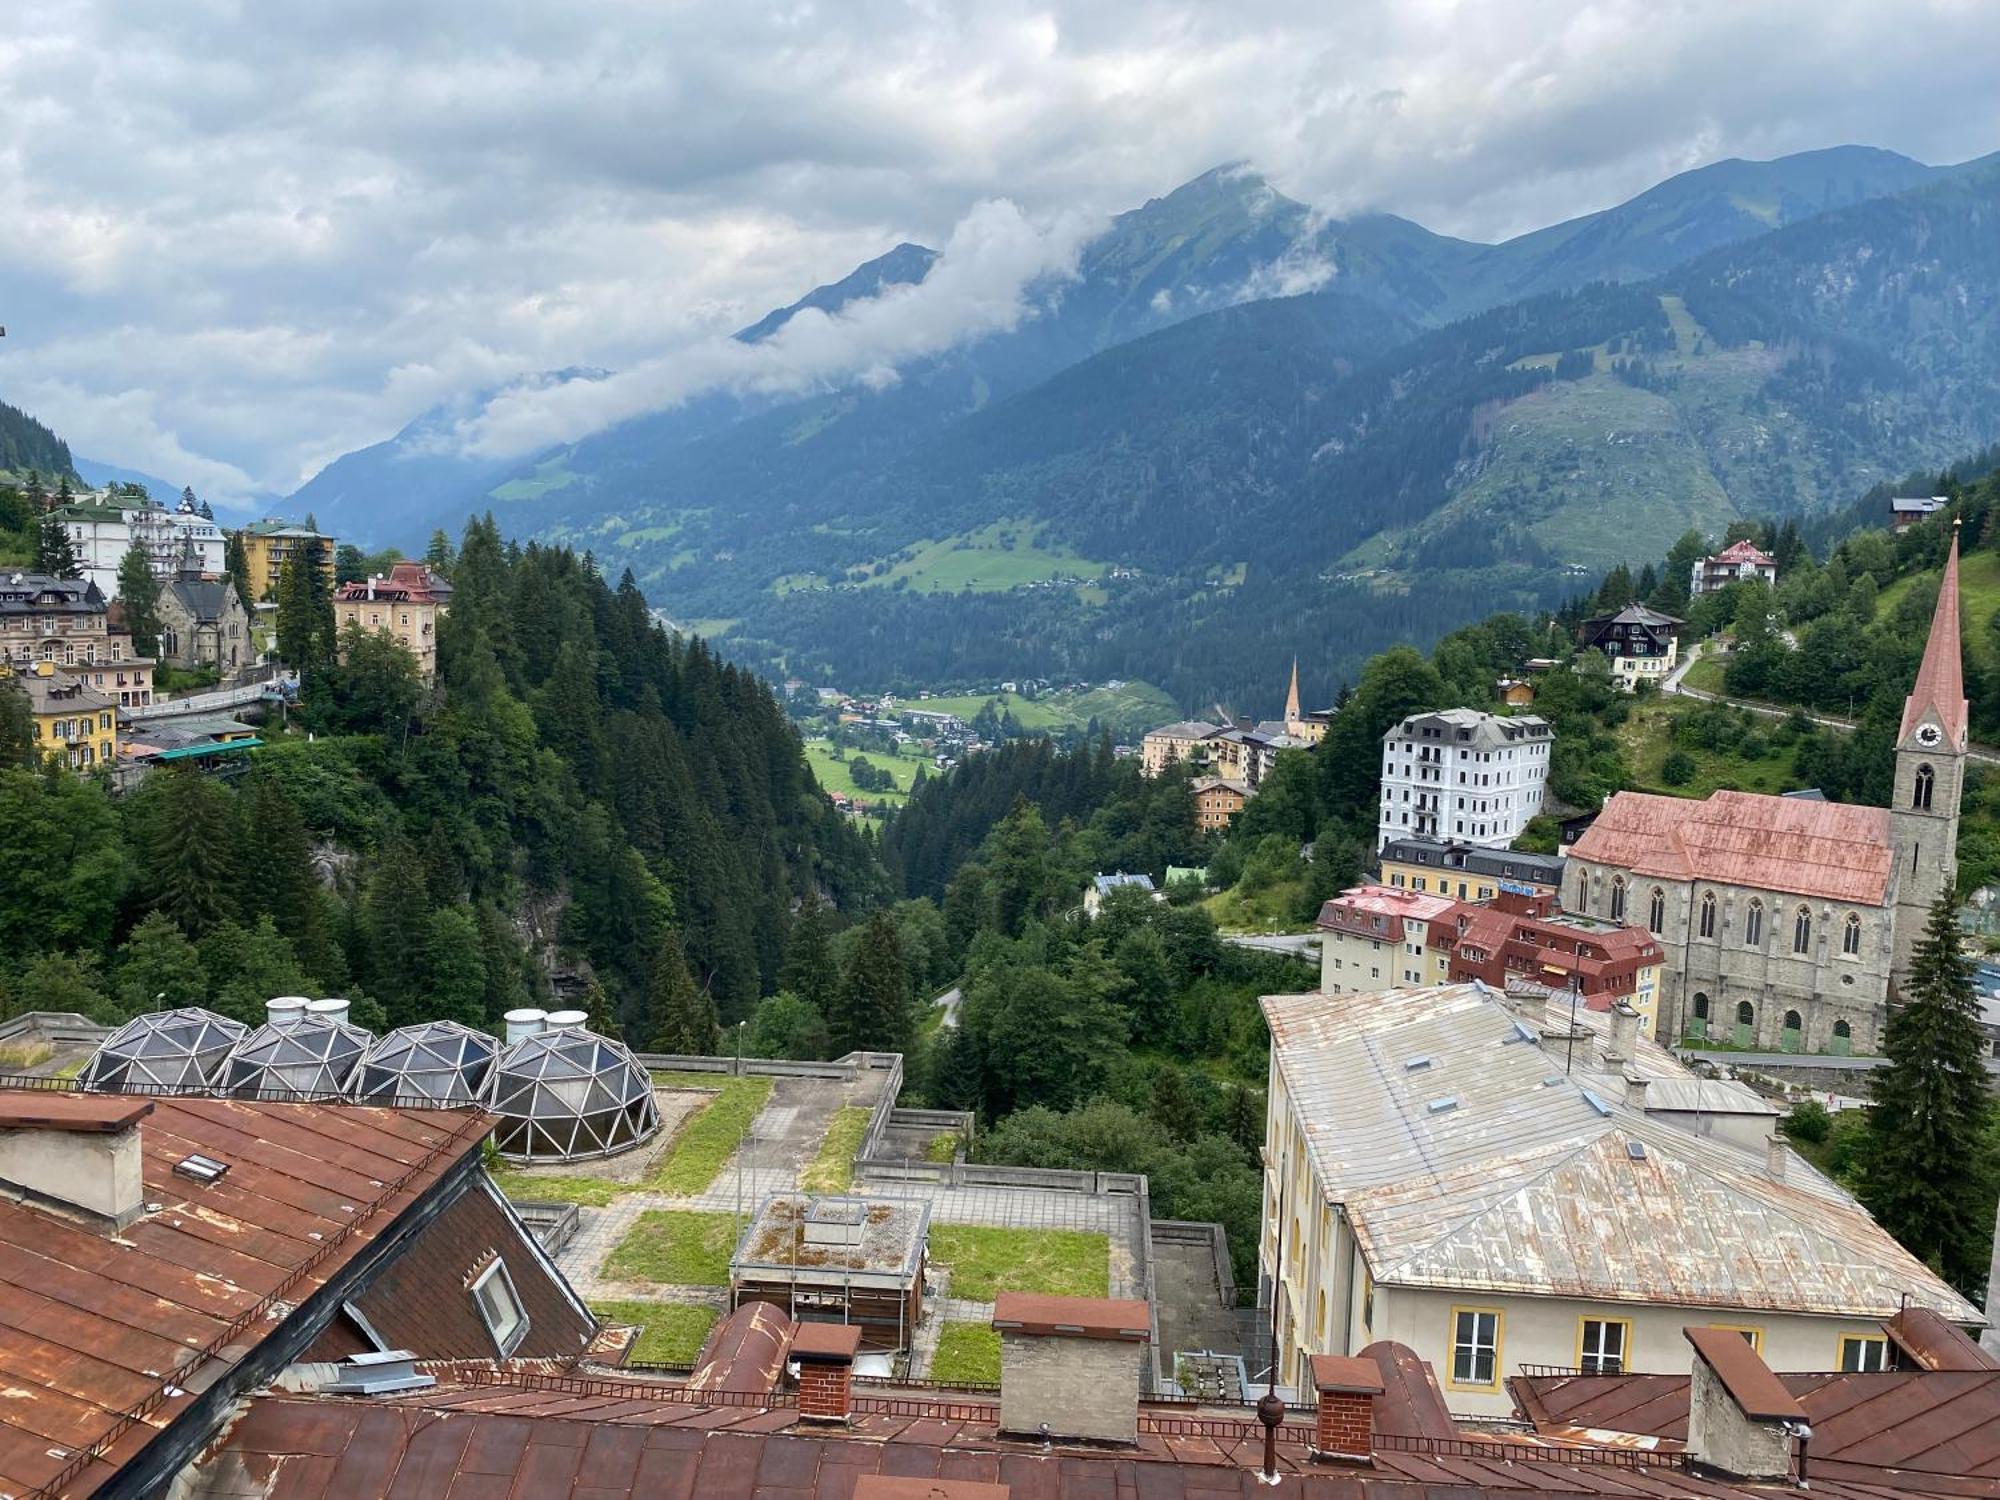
(1860, 1353)
(1602, 1349)
(500, 1306)
(1475, 1346)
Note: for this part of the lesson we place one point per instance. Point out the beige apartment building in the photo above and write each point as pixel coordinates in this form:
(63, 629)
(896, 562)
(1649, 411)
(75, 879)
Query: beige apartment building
(1463, 1174)
(406, 605)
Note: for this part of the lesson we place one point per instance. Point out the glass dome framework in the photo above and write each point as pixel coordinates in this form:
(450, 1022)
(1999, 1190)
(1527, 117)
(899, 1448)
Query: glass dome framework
(312, 1055)
(438, 1063)
(167, 1051)
(570, 1095)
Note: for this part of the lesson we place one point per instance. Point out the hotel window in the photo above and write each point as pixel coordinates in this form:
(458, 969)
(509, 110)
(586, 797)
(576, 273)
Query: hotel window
(1708, 915)
(1601, 1346)
(1475, 1346)
(1850, 936)
(1860, 1353)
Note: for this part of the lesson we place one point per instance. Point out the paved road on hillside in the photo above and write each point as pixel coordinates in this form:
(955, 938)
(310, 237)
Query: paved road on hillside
(1674, 683)
(1293, 944)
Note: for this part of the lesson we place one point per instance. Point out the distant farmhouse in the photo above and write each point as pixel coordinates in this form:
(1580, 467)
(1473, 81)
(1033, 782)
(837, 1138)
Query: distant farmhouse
(1641, 644)
(1739, 562)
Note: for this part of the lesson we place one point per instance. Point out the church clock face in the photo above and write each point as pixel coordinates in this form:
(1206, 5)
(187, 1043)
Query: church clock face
(1929, 736)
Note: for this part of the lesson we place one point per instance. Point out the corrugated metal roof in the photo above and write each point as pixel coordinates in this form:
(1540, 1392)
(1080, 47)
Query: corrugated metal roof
(1832, 850)
(94, 1324)
(1528, 1185)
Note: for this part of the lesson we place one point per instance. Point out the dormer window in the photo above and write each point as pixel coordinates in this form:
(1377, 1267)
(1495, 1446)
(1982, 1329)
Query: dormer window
(500, 1306)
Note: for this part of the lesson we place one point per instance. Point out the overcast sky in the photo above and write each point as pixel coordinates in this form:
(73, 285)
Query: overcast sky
(239, 239)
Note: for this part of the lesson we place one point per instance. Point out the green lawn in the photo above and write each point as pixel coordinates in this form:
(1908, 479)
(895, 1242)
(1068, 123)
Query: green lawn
(1127, 711)
(832, 1171)
(967, 1352)
(1268, 910)
(1706, 675)
(829, 768)
(670, 1333)
(704, 1144)
(985, 1262)
(1978, 592)
(943, 1146)
(675, 1247)
(1004, 555)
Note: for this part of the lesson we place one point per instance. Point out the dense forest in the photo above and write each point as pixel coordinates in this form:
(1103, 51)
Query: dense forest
(578, 794)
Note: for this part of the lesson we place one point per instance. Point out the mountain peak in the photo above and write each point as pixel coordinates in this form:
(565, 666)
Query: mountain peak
(905, 265)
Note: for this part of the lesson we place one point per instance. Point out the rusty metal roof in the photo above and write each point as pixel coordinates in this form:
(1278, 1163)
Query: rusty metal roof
(745, 1352)
(1073, 1317)
(1916, 1424)
(1743, 1373)
(549, 1438)
(95, 1327)
(1930, 1343)
(1830, 850)
(1468, 1159)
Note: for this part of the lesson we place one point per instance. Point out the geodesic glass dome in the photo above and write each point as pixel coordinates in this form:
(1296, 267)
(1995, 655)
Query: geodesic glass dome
(567, 1095)
(438, 1062)
(165, 1051)
(312, 1055)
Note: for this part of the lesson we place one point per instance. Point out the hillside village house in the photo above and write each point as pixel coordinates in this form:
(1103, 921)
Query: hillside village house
(1217, 801)
(103, 528)
(406, 606)
(1640, 644)
(203, 624)
(1466, 1176)
(1171, 744)
(1376, 937)
(1462, 775)
(1787, 922)
(269, 544)
(1906, 511)
(1739, 562)
(1471, 872)
(71, 722)
(66, 623)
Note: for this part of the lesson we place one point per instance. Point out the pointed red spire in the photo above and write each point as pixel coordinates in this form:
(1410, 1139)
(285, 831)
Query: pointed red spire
(1940, 689)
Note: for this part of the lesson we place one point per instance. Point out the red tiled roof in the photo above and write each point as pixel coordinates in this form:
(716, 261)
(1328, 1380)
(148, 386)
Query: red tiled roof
(1940, 688)
(94, 1326)
(1832, 850)
(1743, 552)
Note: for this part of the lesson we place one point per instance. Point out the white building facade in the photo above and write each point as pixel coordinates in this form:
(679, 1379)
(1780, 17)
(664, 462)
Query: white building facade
(1462, 775)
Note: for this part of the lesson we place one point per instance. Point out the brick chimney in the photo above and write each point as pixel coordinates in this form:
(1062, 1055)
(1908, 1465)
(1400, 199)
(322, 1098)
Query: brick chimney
(78, 1151)
(1069, 1366)
(1347, 1387)
(1741, 1419)
(825, 1354)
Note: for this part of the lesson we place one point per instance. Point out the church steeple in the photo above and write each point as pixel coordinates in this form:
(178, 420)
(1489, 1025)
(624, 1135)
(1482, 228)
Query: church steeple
(1292, 698)
(1930, 773)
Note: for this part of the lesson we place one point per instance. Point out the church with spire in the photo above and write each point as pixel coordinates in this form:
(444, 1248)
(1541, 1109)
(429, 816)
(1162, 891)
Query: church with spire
(1788, 922)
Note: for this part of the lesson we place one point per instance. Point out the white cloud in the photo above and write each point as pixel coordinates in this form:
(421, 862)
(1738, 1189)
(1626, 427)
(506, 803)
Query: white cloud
(254, 236)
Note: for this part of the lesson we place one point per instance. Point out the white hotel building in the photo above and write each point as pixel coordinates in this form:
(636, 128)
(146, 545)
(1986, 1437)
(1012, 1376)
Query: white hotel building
(1462, 775)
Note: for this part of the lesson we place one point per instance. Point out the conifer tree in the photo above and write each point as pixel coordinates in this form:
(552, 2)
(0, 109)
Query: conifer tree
(810, 971)
(236, 567)
(139, 591)
(1927, 1127)
(871, 1009)
(17, 725)
(190, 851)
(38, 495)
(438, 556)
(396, 923)
(55, 553)
(159, 969)
(680, 1015)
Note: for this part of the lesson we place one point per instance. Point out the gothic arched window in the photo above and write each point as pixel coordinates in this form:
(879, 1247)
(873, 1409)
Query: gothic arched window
(1617, 898)
(1753, 925)
(1921, 788)
(1656, 912)
(1708, 914)
(1850, 936)
(1802, 932)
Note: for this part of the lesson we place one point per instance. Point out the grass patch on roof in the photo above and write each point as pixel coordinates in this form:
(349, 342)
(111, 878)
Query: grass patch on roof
(670, 1333)
(675, 1247)
(967, 1353)
(985, 1262)
(832, 1170)
(705, 1141)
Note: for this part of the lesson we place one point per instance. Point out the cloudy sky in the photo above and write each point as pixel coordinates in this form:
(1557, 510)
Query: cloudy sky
(238, 238)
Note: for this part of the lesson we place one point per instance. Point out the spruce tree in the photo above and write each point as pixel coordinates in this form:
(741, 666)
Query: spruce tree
(55, 553)
(680, 1015)
(1927, 1127)
(871, 1009)
(190, 852)
(17, 725)
(236, 567)
(810, 971)
(139, 591)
